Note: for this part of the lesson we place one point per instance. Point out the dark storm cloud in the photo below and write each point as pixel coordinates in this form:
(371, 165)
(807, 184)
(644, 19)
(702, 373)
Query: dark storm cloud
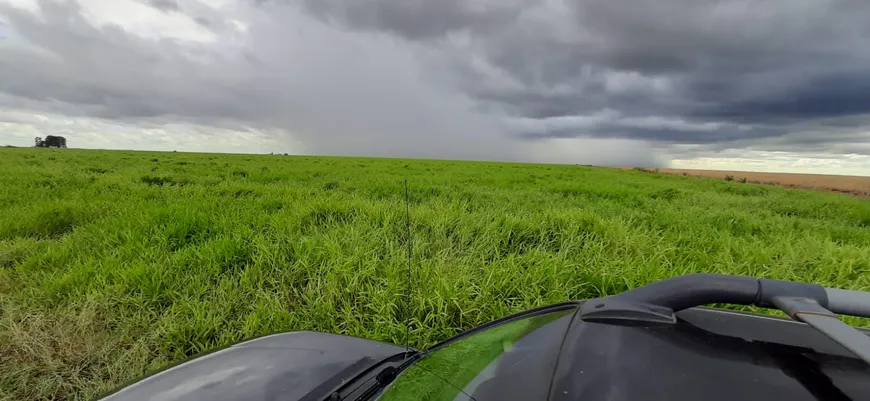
(620, 130)
(771, 65)
(419, 19)
(832, 94)
(164, 5)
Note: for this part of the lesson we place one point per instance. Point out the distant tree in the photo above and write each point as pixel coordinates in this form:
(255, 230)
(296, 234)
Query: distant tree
(51, 142)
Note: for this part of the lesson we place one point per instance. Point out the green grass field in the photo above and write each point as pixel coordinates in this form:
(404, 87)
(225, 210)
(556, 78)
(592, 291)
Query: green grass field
(116, 263)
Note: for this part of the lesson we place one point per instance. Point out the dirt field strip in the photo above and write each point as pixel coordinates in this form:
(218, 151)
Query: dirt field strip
(853, 185)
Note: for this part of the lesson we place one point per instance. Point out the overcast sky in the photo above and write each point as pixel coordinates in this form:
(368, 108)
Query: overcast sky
(772, 85)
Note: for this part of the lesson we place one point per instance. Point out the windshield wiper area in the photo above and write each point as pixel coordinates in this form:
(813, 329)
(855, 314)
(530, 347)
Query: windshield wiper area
(376, 378)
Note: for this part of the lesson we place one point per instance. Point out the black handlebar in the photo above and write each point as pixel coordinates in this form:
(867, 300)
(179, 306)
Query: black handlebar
(809, 303)
(683, 292)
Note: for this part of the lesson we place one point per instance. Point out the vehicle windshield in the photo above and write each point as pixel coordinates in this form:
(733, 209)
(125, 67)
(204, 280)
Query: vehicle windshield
(481, 365)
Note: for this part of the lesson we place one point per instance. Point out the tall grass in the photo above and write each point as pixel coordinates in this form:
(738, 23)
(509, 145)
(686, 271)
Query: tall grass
(116, 263)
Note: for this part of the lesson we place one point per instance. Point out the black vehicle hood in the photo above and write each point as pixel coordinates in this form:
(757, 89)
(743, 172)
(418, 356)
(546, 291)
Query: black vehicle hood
(708, 354)
(285, 366)
(547, 354)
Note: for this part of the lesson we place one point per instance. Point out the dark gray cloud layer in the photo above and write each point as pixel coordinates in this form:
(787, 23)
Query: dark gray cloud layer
(468, 78)
(771, 65)
(164, 5)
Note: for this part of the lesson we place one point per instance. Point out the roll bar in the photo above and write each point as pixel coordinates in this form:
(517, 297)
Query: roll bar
(812, 304)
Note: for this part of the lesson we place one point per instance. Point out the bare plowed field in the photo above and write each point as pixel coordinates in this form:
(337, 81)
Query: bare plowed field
(854, 185)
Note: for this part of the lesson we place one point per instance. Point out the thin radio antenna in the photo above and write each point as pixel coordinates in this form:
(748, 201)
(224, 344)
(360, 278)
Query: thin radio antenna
(408, 314)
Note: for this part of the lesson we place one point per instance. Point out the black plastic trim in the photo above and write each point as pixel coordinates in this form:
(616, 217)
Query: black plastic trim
(657, 302)
(678, 293)
(770, 289)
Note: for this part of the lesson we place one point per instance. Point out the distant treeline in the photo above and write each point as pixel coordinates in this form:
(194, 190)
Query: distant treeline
(51, 142)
